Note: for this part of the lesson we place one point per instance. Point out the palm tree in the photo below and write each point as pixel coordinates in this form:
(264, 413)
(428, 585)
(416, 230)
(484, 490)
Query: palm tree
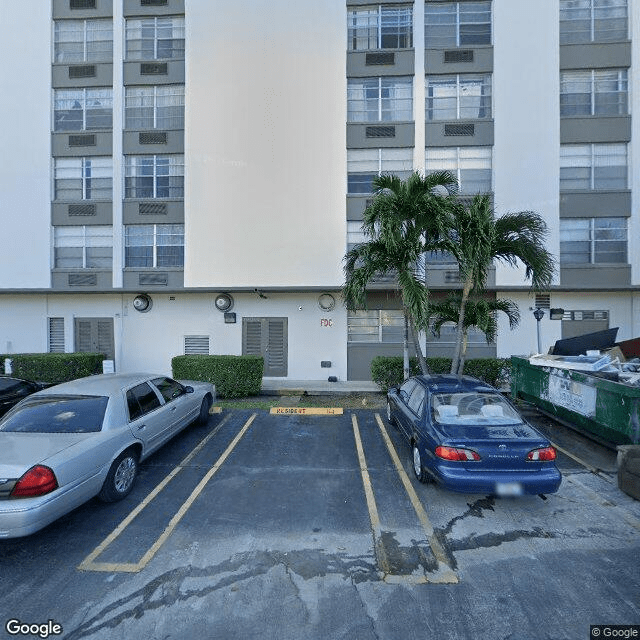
(405, 220)
(480, 313)
(479, 238)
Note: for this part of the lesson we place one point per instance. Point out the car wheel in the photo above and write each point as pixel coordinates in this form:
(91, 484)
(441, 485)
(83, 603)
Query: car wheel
(121, 476)
(418, 467)
(390, 417)
(203, 416)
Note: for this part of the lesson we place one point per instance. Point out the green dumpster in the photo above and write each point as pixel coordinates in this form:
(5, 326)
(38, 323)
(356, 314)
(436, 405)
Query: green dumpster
(606, 409)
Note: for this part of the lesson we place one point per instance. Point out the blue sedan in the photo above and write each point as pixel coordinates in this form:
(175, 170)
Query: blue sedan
(469, 438)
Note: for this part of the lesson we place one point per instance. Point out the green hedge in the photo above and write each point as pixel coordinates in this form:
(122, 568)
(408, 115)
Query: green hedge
(234, 376)
(388, 372)
(54, 367)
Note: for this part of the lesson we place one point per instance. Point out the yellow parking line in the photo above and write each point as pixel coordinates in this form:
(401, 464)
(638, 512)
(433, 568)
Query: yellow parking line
(446, 575)
(586, 465)
(88, 563)
(378, 548)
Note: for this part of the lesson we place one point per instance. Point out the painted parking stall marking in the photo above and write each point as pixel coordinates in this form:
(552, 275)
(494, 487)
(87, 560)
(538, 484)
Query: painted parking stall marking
(90, 564)
(307, 411)
(444, 573)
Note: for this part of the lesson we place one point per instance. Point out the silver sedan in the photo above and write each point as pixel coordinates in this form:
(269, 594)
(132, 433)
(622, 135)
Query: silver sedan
(68, 443)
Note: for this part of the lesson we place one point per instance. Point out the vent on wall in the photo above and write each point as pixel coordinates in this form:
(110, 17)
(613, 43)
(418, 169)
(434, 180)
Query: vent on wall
(196, 345)
(82, 140)
(153, 3)
(543, 300)
(451, 276)
(56, 335)
(459, 130)
(152, 208)
(380, 132)
(152, 137)
(158, 279)
(82, 210)
(154, 69)
(384, 57)
(82, 4)
(458, 55)
(83, 280)
(82, 71)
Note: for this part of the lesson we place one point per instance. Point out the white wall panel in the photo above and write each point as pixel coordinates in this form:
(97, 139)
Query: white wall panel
(265, 138)
(527, 115)
(25, 134)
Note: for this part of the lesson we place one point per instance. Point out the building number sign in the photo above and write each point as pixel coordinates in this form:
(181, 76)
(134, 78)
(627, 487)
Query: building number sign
(326, 322)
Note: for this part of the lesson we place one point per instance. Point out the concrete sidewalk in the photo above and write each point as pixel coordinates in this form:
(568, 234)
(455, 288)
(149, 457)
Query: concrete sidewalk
(282, 387)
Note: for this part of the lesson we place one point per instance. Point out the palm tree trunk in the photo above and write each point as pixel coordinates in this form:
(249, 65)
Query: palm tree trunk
(463, 354)
(455, 361)
(424, 368)
(405, 347)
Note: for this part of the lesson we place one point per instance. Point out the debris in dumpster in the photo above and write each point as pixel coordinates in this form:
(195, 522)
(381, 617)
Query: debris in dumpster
(579, 345)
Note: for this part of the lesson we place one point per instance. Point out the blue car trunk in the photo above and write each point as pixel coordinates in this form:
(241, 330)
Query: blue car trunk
(501, 447)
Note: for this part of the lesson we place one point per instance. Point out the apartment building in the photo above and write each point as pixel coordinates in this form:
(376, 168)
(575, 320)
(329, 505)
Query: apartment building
(185, 176)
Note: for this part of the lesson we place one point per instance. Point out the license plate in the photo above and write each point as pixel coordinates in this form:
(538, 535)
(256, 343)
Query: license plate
(508, 489)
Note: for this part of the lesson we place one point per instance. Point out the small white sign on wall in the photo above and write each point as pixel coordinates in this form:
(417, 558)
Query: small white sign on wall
(108, 366)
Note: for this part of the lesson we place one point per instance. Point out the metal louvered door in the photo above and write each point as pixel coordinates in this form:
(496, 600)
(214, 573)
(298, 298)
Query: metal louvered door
(267, 337)
(95, 335)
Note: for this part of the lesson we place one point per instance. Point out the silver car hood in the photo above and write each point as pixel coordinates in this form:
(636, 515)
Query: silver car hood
(20, 451)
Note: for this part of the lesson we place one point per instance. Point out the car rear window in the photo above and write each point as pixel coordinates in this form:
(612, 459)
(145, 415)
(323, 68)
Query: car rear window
(56, 414)
(472, 408)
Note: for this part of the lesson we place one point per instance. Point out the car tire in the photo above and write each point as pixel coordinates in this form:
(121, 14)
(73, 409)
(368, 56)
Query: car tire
(121, 477)
(390, 417)
(418, 467)
(203, 416)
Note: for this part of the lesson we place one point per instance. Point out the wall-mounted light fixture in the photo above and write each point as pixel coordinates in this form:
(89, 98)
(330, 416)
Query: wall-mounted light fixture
(326, 302)
(142, 303)
(224, 302)
(556, 313)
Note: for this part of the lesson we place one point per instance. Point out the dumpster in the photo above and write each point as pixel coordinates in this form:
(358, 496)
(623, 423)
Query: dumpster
(603, 408)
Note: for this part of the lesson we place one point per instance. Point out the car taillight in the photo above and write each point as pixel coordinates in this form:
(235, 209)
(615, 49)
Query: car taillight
(37, 481)
(456, 454)
(544, 454)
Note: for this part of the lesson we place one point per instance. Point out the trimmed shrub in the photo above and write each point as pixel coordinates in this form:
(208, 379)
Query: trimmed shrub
(233, 376)
(54, 367)
(387, 371)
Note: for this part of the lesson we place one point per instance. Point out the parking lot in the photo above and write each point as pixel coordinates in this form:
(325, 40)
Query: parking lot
(290, 526)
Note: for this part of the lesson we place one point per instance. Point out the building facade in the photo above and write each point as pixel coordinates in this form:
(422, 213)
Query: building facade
(185, 176)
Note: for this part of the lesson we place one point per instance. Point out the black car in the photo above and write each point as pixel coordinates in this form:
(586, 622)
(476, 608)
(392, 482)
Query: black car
(12, 390)
(466, 436)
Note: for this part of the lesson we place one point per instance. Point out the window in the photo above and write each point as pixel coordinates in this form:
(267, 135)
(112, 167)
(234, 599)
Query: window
(141, 400)
(355, 234)
(448, 332)
(83, 178)
(593, 166)
(593, 240)
(83, 41)
(593, 21)
(83, 247)
(154, 245)
(455, 24)
(459, 97)
(82, 109)
(363, 165)
(155, 38)
(159, 107)
(154, 176)
(380, 99)
(380, 27)
(470, 165)
(168, 388)
(55, 335)
(599, 92)
(416, 401)
(379, 325)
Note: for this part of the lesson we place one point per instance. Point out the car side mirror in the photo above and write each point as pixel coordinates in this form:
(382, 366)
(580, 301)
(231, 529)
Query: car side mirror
(188, 389)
